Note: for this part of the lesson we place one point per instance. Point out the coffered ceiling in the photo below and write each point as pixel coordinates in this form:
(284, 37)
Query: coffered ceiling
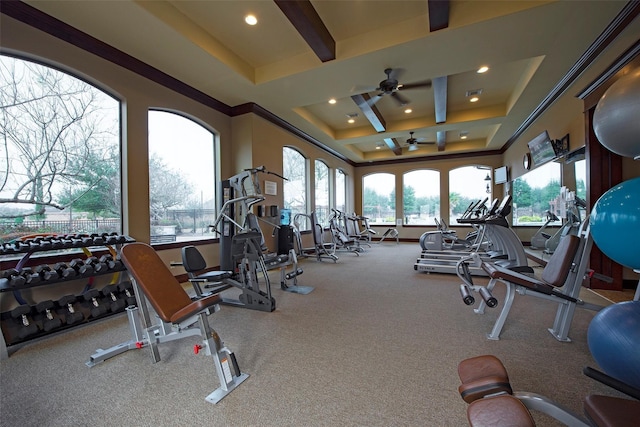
(301, 54)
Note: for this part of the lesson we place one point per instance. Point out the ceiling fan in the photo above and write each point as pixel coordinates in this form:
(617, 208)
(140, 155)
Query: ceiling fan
(391, 86)
(413, 142)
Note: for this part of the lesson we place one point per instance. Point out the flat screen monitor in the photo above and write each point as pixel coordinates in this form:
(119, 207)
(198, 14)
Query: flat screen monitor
(501, 175)
(541, 149)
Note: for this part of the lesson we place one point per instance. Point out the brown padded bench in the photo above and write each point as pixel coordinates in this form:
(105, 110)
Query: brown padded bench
(499, 411)
(554, 274)
(163, 291)
(481, 376)
(607, 411)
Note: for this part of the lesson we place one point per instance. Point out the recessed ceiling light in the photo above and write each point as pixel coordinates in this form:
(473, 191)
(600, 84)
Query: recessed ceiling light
(408, 111)
(463, 134)
(474, 99)
(251, 20)
(482, 69)
(332, 101)
(351, 121)
(378, 147)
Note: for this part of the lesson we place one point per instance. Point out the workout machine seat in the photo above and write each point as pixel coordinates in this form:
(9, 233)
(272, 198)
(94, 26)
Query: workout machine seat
(554, 275)
(485, 386)
(173, 306)
(194, 264)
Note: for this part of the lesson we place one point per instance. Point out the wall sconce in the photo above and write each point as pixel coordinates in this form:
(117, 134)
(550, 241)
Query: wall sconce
(488, 179)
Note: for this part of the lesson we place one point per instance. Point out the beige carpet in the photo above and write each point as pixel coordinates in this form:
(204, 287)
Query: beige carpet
(375, 344)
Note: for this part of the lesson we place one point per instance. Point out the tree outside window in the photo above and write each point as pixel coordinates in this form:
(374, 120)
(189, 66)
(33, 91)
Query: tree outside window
(467, 184)
(379, 198)
(341, 190)
(182, 178)
(535, 193)
(322, 192)
(421, 197)
(294, 168)
(60, 166)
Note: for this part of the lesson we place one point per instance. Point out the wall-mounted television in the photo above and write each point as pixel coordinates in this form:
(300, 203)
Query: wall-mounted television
(541, 148)
(501, 175)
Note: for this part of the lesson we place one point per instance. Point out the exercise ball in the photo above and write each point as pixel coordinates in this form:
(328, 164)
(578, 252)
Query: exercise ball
(615, 223)
(614, 341)
(616, 120)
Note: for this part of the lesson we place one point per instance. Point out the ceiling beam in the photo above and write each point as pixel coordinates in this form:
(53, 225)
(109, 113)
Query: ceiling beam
(370, 112)
(393, 145)
(441, 139)
(308, 23)
(438, 14)
(439, 85)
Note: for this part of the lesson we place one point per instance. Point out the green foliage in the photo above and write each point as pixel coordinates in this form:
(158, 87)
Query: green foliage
(525, 218)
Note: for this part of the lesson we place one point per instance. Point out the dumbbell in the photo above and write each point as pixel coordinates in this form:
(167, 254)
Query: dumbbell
(110, 238)
(127, 289)
(64, 271)
(117, 303)
(14, 277)
(97, 239)
(100, 265)
(81, 268)
(31, 277)
(46, 273)
(108, 261)
(21, 314)
(92, 297)
(71, 315)
(49, 321)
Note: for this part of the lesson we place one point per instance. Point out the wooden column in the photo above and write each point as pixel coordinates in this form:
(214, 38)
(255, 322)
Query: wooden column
(604, 170)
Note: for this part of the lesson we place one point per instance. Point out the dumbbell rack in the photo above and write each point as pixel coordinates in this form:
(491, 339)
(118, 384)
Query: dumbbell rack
(75, 309)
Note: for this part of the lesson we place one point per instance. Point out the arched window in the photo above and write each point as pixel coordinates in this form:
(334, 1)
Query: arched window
(379, 198)
(182, 178)
(467, 184)
(322, 192)
(60, 169)
(536, 192)
(341, 190)
(294, 168)
(421, 197)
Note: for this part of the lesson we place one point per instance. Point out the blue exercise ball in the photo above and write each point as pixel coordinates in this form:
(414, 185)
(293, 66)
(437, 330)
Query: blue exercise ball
(614, 341)
(615, 223)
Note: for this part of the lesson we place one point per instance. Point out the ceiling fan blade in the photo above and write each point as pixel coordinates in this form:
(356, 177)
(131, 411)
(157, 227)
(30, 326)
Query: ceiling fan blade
(400, 99)
(417, 85)
(372, 101)
(426, 142)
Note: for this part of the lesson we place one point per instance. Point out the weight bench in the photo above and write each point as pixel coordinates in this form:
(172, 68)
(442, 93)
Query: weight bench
(178, 313)
(560, 282)
(485, 386)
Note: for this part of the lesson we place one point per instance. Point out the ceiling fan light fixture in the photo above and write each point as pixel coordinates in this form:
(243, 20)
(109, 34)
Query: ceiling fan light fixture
(482, 69)
(412, 147)
(251, 19)
(464, 134)
(474, 99)
(408, 111)
(332, 101)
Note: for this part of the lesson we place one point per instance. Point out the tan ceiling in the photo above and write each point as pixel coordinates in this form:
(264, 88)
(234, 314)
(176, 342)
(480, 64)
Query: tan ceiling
(528, 45)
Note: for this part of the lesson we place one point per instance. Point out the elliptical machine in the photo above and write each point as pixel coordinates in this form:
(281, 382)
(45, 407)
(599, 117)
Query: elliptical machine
(539, 240)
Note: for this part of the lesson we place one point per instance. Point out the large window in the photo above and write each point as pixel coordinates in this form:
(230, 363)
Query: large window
(60, 166)
(294, 168)
(535, 193)
(341, 190)
(467, 184)
(182, 179)
(580, 169)
(421, 197)
(379, 198)
(322, 192)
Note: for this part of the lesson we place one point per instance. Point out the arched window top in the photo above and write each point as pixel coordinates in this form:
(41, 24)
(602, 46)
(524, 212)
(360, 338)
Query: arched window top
(468, 184)
(293, 150)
